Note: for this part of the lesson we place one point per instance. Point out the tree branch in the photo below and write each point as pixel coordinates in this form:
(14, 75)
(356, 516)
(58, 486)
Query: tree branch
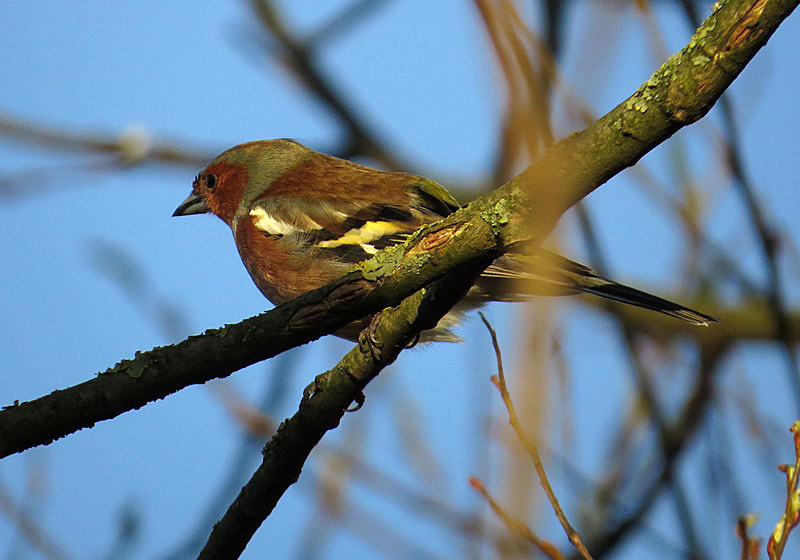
(130, 148)
(335, 389)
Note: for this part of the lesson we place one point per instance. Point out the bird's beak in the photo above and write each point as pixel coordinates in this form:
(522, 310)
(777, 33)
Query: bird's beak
(194, 204)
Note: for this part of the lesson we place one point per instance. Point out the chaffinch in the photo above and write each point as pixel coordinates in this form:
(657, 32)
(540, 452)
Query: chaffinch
(301, 219)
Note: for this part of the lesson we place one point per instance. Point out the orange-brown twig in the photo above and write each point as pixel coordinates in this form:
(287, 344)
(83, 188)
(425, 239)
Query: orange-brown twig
(515, 525)
(500, 382)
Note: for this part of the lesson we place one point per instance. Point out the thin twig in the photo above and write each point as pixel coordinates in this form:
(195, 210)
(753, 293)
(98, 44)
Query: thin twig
(500, 382)
(515, 525)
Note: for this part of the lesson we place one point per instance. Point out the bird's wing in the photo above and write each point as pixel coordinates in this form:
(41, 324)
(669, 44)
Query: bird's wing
(350, 229)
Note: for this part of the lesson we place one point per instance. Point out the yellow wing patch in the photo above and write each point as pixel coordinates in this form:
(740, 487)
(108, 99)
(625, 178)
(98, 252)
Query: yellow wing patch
(364, 235)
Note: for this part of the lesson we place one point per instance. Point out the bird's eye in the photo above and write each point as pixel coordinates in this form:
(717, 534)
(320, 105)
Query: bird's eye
(211, 181)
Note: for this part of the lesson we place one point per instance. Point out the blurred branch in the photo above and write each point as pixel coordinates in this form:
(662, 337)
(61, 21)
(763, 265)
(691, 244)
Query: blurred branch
(385, 537)
(769, 240)
(128, 274)
(30, 528)
(343, 22)
(131, 147)
(301, 59)
(747, 321)
(252, 437)
(333, 502)
(553, 15)
(750, 545)
(526, 128)
(680, 431)
(648, 394)
(129, 533)
(419, 503)
(381, 483)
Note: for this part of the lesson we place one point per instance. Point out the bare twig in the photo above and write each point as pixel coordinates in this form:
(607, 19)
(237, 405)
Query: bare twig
(500, 382)
(515, 525)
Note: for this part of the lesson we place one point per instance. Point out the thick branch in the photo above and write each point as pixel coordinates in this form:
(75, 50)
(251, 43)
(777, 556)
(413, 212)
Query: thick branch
(381, 282)
(679, 93)
(335, 389)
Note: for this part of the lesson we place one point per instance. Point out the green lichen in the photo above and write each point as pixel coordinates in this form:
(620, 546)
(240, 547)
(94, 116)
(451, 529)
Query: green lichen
(136, 369)
(637, 103)
(132, 368)
(381, 265)
(503, 211)
(700, 35)
(498, 215)
(417, 261)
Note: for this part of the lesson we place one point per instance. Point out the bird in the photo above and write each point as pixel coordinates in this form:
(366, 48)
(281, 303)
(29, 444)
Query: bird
(301, 218)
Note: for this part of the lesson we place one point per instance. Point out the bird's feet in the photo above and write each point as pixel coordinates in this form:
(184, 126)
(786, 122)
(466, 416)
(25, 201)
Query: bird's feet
(319, 383)
(316, 385)
(368, 341)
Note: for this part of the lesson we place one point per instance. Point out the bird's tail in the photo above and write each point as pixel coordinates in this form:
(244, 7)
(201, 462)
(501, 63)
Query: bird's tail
(632, 296)
(518, 277)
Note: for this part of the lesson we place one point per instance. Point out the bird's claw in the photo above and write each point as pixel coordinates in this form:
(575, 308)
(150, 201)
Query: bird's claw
(413, 342)
(315, 385)
(368, 341)
(359, 400)
(320, 380)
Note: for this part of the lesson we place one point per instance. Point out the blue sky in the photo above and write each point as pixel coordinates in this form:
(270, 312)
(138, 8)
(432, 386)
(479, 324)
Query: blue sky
(423, 74)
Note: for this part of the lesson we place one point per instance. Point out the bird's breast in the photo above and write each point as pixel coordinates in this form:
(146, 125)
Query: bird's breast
(280, 268)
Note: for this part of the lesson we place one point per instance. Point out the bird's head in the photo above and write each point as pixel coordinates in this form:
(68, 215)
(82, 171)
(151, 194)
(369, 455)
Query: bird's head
(229, 184)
